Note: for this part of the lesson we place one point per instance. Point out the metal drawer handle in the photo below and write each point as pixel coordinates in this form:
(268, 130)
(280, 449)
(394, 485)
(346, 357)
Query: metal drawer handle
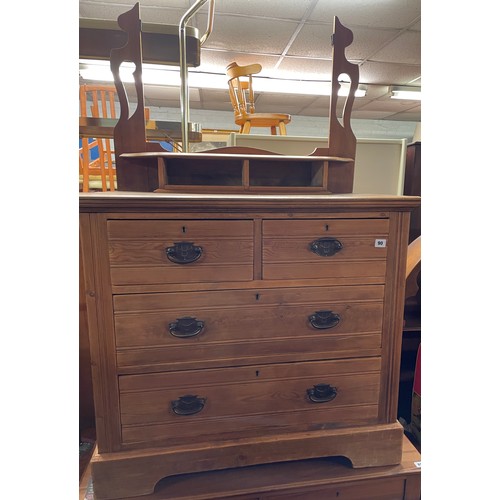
(322, 393)
(184, 252)
(325, 247)
(186, 327)
(322, 320)
(188, 405)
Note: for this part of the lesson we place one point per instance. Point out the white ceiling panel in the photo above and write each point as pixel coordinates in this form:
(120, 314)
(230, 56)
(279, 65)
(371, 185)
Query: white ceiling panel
(380, 14)
(313, 40)
(259, 35)
(404, 49)
(388, 73)
(367, 42)
(295, 9)
(310, 69)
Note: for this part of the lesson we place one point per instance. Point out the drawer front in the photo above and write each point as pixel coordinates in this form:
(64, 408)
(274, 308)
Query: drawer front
(380, 489)
(183, 406)
(184, 251)
(325, 248)
(192, 329)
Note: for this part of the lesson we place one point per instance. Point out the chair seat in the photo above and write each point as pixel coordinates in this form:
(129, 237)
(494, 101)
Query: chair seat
(263, 119)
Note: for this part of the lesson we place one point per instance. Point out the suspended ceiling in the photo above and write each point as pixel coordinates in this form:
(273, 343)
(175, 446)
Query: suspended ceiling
(291, 40)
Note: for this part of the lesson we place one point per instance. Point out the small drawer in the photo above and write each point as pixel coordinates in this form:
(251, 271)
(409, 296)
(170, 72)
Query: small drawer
(180, 330)
(183, 251)
(183, 406)
(325, 248)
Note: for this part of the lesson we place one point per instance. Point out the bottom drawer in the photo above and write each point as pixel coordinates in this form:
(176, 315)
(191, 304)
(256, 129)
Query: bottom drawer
(188, 406)
(379, 489)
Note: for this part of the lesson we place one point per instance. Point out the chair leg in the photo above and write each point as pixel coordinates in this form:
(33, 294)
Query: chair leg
(246, 128)
(282, 127)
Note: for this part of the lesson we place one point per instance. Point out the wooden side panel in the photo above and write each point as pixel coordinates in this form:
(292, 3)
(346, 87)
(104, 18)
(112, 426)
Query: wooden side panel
(86, 407)
(393, 314)
(100, 322)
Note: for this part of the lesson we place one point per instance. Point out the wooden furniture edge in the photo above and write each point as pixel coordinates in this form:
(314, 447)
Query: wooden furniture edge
(367, 446)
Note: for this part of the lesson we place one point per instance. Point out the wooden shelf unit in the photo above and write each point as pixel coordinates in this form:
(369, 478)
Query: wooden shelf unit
(250, 172)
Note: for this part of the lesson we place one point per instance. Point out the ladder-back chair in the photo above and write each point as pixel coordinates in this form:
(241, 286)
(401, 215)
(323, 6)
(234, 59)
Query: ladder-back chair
(97, 101)
(243, 101)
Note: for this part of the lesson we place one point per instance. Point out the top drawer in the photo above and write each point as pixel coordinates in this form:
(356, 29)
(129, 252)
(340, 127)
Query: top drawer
(180, 251)
(325, 248)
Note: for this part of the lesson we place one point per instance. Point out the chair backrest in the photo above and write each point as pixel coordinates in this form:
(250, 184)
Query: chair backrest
(98, 101)
(241, 87)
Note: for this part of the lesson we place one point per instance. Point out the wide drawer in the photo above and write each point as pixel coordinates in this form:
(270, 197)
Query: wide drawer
(325, 248)
(195, 329)
(185, 406)
(180, 251)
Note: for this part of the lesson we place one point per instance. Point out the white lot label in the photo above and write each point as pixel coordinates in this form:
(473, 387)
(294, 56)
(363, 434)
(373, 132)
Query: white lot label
(381, 243)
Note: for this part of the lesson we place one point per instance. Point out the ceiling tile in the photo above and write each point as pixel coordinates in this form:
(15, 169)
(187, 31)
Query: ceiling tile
(381, 14)
(367, 41)
(403, 49)
(257, 35)
(388, 73)
(314, 69)
(314, 40)
(295, 9)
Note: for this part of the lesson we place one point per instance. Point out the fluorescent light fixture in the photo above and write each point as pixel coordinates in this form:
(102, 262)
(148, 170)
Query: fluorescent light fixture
(169, 76)
(409, 93)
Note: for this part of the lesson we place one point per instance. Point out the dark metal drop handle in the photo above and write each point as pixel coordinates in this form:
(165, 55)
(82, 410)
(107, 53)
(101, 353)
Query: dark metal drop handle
(186, 327)
(184, 252)
(325, 247)
(322, 320)
(188, 405)
(322, 393)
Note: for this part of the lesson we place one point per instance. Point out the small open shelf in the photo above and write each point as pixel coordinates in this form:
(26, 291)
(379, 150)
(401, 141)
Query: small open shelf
(205, 172)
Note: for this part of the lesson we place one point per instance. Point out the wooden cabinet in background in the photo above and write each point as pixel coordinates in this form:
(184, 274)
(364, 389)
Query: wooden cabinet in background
(234, 330)
(412, 186)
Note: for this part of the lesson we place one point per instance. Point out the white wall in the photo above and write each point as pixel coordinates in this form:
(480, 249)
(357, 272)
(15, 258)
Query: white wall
(308, 126)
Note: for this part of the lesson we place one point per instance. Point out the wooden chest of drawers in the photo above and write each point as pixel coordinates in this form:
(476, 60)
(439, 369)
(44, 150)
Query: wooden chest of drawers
(232, 330)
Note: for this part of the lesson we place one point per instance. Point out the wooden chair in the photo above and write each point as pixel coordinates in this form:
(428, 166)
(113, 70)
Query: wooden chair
(242, 99)
(100, 172)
